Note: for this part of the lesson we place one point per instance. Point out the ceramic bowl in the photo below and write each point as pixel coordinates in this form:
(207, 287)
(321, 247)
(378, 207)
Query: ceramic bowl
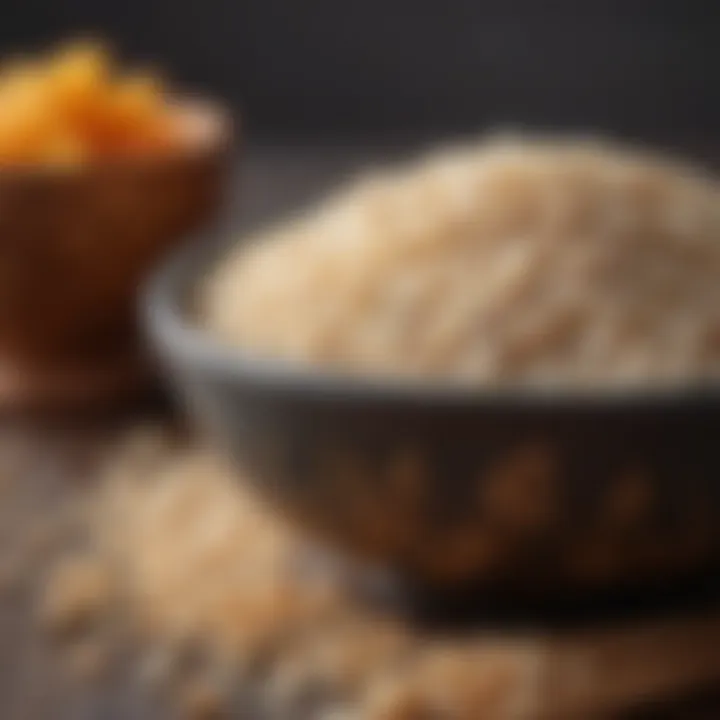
(450, 488)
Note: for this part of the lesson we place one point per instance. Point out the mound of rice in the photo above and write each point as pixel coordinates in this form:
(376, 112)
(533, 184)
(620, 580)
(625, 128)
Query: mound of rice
(508, 261)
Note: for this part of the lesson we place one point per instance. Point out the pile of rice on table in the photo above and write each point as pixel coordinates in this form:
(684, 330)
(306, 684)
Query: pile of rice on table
(506, 261)
(189, 564)
(183, 565)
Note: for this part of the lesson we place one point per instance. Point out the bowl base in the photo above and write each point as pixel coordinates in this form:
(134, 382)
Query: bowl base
(558, 607)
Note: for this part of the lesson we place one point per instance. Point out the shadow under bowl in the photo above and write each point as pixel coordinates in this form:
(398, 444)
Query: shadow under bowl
(518, 492)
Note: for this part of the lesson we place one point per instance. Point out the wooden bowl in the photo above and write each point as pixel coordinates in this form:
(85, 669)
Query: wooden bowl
(75, 244)
(517, 492)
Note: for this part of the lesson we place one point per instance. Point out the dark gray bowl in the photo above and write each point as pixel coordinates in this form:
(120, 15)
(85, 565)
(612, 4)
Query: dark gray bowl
(451, 488)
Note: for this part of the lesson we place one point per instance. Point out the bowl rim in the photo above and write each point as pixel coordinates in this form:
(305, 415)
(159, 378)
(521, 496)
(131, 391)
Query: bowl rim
(218, 141)
(175, 336)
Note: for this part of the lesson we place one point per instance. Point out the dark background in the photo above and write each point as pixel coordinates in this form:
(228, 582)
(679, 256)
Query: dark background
(312, 69)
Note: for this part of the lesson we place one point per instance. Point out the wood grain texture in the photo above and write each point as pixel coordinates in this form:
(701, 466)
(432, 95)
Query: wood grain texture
(573, 674)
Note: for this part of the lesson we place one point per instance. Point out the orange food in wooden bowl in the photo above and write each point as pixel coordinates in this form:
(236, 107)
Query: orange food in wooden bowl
(73, 107)
(99, 176)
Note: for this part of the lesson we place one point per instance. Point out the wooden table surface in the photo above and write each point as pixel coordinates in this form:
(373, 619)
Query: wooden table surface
(46, 463)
